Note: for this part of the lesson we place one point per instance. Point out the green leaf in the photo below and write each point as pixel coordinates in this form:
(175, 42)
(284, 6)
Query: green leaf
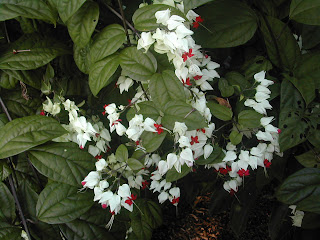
(7, 81)
(82, 57)
(255, 65)
(302, 189)
(165, 88)
(107, 42)
(144, 18)
(305, 11)
(135, 164)
(5, 170)
(226, 28)
(62, 162)
(236, 79)
(249, 119)
(36, 9)
(138, 65)
(221, 112)
(216, 156)
(122, 153)
(24, 133)
(7, 205)
(310, 221)
(61, 203)
(172, 175)
(42, 51)
(9, 232)
(282, 47)
(80, 229)
(192, 4)
(67, 8)
(3, 119)
(29, 198)
(152, 141)
(310, 36)
(177, 111)
(82, 24)
(31, 78)
(152, 214)
(235, 137)
(306, 87)
(309, 159)
(18, 105)
(314, 138)
(141, 229)
(225, 89)
(147, 109)
(101, 72)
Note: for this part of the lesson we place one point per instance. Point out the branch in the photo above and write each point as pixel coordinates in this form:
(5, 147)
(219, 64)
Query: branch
(124, 22)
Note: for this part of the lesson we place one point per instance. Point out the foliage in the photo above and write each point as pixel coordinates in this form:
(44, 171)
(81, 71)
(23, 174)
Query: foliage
(258, 59)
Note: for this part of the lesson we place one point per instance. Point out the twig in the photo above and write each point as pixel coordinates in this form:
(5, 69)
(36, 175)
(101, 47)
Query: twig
(4, 108)
(144, 91)
(6, 31)
(124, 21)
(119, 16)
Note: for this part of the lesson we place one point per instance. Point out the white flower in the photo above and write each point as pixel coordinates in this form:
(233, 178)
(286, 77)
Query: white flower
(163, 196)
(208, 149)
(191, 15)
(265, 136)
(182, 31)
(230, 156)
(125, 83)
(186, 156)
(51, 108)
(174, 21)
(111, 108)
(94, 151)
(101, 164)
(91, 180)
(260, 77)
(145, 41)
(149, 125)
(174, 195)
(163, 16)
(297, 217)
(180, 128)
(162, 167)
(69, 105)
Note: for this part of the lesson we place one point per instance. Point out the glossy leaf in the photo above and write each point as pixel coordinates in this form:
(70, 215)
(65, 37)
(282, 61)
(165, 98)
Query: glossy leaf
(152, 141)
(249, 119)
(9, 232)
(172, 175)
(62, 162)
(7, 205)
(147, 109)
(302, 189)
(61, 203)
(229, 28)
(31, 78)
(144, 18)
(282, 47)
(82, 57)
(182, 112)
(220, 111)
(82, 24)
(101, 72)
(67, 8)
(24, 133)
(36, 9)
(138, 65)
(107, 42)
(192, 4)
(305, 11)
(165, 88)
(309, 159)
(42, 51)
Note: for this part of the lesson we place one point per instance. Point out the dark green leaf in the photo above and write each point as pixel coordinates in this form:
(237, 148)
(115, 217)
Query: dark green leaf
(152, 141)
(5, 170)
(141, 229)
(305, 11)
(61, 203)
(225, 89)
(135, 164)
(122, 153)
(62, 162)
(7, 81)
(306, 87)
(215, 157)
(152, 214)
(235, 137)
(255, 65)
(18, 105)
(310, 221)
(310, 36)
(314, 138)
(147, 109)
(67, 8)
(302, 189)
(165, 88)
(31, 78)
(82, 57)
(309, 159)
(192, 4)
(29, 198)
(9, 232)
(7, 205)
(3, 119)
(81, 229)
(36, 9)
(226, 28)
(144, 18)
(249, 119)
(282, 47)
(101, 72)
(236, 79)
(172, 175)
(24, 133)
(176, 111)
(107, 42)
(138, 65)
(82, 24)
(221, 112)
